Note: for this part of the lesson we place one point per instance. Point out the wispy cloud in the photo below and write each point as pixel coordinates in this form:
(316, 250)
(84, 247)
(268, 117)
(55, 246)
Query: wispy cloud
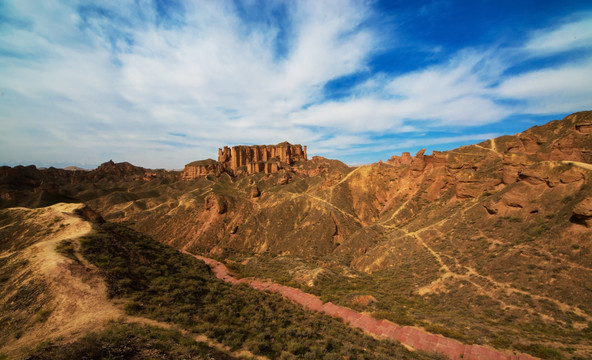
(567, 36)
(551, 90)
(160, 87)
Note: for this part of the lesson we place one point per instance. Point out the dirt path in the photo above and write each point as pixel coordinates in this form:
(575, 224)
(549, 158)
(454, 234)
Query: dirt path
(354, 218)
(577, 163)
(78, 301)
(350, 174)
(409, 336)
(77, 294)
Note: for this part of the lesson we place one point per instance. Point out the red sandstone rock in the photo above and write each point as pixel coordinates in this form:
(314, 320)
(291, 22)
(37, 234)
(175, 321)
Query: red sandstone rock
(534, 176)
(512, 164)
(90, 215)
(241, 160)
(467, 190)
(573, 175)
(246, 155)
(216, 203)
(284, 180)
(566, 149)
(514, 200)
(202, 168)
(584, 128)
(404, 159)
(418, 163)
(582, 212)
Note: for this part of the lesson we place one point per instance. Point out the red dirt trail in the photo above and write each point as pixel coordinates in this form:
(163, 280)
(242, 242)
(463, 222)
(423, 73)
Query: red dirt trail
(410, 336)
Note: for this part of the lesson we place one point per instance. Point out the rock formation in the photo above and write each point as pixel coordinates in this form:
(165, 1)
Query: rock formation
(582, 213)
(202, 168)
(243, 159)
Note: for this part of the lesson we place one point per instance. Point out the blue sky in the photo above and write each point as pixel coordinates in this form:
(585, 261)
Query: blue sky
(162, 83)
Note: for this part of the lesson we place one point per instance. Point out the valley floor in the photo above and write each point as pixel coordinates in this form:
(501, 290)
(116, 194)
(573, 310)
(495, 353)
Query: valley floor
(410, 336)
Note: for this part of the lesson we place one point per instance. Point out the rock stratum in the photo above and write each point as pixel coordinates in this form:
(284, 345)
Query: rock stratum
(247, 160)
(490, 243)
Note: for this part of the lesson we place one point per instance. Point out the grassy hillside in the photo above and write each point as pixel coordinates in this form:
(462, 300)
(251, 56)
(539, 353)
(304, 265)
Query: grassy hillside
(165, 285)
(54, 303)
(489, 243)
(129, 341)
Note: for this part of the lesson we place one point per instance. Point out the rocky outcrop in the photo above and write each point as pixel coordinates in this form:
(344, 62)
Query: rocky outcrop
(216, 203)
(89, 214)
(525, 144)
(585, 128)
(404, 159)
(202, 168)
(582, 212)
(255, 192)
(260, 158)
(243, 160)
(511, 166)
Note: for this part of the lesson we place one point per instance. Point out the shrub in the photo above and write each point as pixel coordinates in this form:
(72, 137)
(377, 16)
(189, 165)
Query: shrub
(66, 248)
(163, 284)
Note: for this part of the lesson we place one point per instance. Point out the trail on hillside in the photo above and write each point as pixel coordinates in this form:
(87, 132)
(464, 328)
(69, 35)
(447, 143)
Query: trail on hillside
(78, 294)
(506, 287)
(408, 336)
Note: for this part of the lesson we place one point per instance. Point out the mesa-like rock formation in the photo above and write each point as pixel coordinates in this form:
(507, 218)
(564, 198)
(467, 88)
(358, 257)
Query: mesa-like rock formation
(242, 159)
(201, 168)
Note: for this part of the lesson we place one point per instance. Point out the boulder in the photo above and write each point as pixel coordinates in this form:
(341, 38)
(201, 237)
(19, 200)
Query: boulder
(284, 180)
(582, 212)
(515, 200)
(216, 203)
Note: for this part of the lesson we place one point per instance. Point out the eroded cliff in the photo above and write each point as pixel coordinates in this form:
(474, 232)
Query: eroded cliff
(246, 160)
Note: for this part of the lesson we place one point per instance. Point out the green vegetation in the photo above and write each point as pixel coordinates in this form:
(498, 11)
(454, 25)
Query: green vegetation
(128, 341)
(540, 351)
(474, 318)
(66, 248)
(165, 285)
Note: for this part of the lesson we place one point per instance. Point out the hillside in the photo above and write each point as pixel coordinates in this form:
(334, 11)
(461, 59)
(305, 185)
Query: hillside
(488, 243)
(72, 289)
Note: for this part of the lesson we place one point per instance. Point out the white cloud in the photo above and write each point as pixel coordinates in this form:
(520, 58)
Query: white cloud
(453, 94)
(560, 89)
(568, 36)
(109, 79)
(212, 76)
